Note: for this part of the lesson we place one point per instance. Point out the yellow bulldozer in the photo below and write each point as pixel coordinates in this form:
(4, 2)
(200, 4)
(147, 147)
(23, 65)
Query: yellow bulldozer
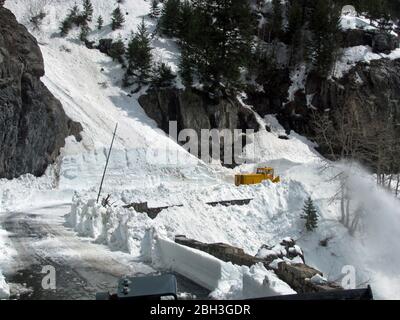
(256, 178)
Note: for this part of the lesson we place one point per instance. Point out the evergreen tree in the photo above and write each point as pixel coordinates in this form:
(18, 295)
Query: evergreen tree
(186, 68)
(117, 51)
(372, 8)
(117, 19)
(220, 42)
(295, 32)
(70, 20)
(185, 20)
(295, 17)
(88, 10)
(325, 27)
(139, 55)
(74, 12)
(162, 76)
(169, 21)
(100, 22)
(310, 215)
(277, 19)
(84, 32)
(154, 10)
(65, 27)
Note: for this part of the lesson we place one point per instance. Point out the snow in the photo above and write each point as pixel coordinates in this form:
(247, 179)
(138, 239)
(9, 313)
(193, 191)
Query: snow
(318, 279)
(354, 22)
(298, 78)
(146, 166)
(4, 288)
(258, 282)
(353, 55)
(224, 279)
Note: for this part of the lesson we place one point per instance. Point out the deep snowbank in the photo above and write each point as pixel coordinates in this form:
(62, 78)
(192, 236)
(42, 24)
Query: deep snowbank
(225, 280)
(4, 288)
(273, 214)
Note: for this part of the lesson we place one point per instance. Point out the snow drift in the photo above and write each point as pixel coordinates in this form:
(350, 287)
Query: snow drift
(4, 288)
(225, 280)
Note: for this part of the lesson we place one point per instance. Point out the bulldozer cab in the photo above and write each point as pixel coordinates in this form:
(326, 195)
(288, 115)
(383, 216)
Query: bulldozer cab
(265, 171)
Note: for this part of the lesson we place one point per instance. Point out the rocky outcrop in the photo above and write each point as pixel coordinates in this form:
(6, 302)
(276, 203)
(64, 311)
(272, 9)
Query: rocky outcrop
(193, 109)
(384, 43)
(380, 42)
(33, 125)
(298, 276)
(356, 37)
(374, 86)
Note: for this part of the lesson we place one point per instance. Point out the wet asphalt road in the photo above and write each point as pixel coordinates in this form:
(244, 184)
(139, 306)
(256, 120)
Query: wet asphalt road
(82, 267)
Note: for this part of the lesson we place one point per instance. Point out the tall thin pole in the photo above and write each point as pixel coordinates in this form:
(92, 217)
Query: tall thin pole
(108, 159)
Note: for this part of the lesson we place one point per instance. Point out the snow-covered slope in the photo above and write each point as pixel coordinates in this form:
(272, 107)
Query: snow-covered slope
(144, 167)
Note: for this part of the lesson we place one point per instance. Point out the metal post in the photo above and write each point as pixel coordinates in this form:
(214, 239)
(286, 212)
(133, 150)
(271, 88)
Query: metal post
(108, 159)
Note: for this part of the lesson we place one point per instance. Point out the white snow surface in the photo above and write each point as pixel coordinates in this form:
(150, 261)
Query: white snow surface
(351, 56)
(224, 279)
(147, 166)
(4, 288)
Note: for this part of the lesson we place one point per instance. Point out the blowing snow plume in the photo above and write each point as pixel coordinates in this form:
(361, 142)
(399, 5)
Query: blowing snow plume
(372, 215)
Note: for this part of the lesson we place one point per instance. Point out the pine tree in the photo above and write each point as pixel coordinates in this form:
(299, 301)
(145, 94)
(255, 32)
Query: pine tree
(162, 76)
(71, 19)
(185, 21)
(154, 10)
(100, 22)
(277, 19)
(186, 68)
(310, 215)
(117, 19)
(295, 17)
(84, 32)
(88, 10)
(169, 20)
(74, 12)
(220, 42)
(295, 32)
(325, 27)
(139, 55)
(117, 51)
(65, 27)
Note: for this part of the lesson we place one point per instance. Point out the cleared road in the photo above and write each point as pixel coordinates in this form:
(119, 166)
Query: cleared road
(82, 268)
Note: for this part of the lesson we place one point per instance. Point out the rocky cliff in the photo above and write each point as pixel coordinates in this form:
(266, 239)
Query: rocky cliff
(193, 109)
(372, 87)
(33, 125)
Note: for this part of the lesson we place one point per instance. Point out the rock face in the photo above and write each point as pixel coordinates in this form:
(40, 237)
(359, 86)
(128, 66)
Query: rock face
(297, 275)
(384, 43)
(33, 125)
(194, 110)
(379, 41)
(374, 87)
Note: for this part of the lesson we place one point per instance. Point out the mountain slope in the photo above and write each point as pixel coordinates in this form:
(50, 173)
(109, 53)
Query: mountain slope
(88, 85)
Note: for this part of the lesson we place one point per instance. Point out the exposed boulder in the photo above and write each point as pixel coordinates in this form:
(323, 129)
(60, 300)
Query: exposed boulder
(105, 46)
(356, 37)
(375, 86)
(33, 124)
(286, 250)
(299, 276)
(384, 43)
(372, 87)
(275, 86)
